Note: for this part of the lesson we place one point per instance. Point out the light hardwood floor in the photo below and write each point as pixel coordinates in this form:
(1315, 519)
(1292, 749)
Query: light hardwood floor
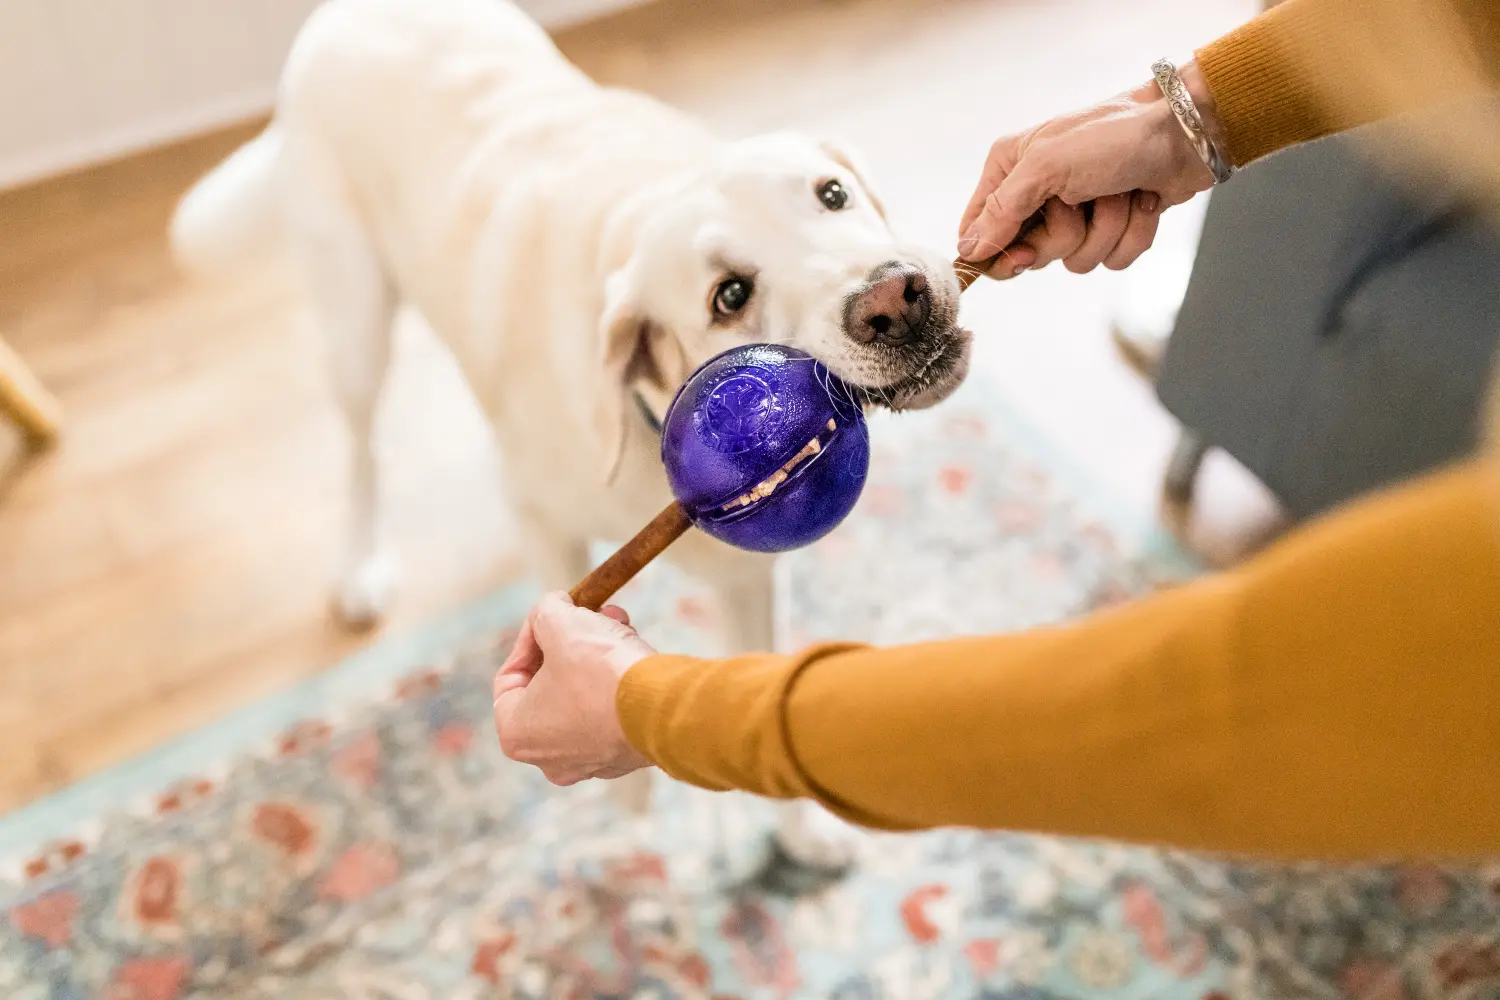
(171, 558)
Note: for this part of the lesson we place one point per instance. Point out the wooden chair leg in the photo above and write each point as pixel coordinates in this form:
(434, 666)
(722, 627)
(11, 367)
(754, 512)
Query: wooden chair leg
(26, 400)
(1178, 485)
(1182, 468)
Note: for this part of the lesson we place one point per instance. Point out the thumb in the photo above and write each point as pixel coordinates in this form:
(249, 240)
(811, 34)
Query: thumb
(551, 618)
(1006, 210)
(524, 661)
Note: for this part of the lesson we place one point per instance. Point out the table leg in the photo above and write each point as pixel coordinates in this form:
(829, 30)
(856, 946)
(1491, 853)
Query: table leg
(25, 399)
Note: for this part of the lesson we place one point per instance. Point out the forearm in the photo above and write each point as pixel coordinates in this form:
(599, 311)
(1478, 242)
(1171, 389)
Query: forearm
(1310, 68)
(1336, 698)
(1021, 731)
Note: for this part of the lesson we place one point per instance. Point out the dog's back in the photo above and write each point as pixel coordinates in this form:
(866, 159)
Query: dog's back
(439, 124)
(380, 102)
(402, 91)
(404, 107)
(446, 154)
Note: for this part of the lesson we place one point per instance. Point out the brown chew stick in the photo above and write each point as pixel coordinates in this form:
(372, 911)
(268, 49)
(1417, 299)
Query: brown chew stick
(968, 273)
(616, 571)
(670, 525)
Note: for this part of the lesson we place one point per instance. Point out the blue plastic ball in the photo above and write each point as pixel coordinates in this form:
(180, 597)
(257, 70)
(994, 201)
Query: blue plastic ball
(765, 448)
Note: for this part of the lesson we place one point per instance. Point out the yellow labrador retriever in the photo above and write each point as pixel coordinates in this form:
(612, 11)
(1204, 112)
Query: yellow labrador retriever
(580, 250)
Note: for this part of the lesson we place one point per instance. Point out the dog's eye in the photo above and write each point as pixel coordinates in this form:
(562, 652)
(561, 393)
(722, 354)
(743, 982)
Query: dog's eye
(832, 195)
(731, 296)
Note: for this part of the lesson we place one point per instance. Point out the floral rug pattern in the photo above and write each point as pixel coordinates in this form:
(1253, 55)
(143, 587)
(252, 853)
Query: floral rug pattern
(376, 846)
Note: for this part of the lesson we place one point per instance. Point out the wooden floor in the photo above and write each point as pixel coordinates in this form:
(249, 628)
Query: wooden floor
(171, 558)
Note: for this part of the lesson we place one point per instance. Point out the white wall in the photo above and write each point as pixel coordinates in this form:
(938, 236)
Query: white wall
(87, 80)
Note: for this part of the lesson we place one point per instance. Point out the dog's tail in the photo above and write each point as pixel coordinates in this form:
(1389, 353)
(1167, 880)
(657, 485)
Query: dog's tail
(230, 217)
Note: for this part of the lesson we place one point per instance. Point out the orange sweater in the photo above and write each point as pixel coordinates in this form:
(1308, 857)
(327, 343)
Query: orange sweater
(1337, 697)
(1309, 68)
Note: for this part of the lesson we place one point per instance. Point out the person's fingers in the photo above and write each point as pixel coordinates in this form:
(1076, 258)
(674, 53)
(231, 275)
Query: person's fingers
(1012, 261)
(510, 723)
(524, 649)
(510, 681)
(1139, 234)
(552, 615)
(558, 619)
(1062, 235)
(997, 163)
(1005, 211)
(523, 662)
(1111, 216)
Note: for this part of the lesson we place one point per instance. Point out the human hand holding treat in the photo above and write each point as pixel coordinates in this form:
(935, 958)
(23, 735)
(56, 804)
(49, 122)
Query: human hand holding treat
(1088, 187)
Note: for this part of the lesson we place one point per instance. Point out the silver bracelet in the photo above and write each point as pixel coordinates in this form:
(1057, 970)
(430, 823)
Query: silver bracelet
(1186, 113)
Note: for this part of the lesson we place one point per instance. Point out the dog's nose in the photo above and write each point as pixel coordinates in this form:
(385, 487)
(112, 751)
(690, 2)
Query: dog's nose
(892, 308)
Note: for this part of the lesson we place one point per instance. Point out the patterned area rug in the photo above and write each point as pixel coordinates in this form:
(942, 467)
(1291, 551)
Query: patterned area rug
(361, 837)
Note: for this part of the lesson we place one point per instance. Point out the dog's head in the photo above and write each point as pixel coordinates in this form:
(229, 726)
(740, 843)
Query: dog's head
(781, 239)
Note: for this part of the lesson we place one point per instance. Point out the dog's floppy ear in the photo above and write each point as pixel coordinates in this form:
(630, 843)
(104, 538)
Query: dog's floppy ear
(635, 350)
(852, 161)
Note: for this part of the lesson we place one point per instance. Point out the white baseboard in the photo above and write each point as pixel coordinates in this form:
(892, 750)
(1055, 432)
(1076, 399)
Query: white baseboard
(133, 137)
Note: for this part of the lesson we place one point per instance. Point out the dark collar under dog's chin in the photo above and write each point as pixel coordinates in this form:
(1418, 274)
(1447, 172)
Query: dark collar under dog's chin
(652, 420)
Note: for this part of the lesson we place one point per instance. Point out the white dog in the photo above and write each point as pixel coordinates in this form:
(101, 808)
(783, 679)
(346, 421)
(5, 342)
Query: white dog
(581, 251)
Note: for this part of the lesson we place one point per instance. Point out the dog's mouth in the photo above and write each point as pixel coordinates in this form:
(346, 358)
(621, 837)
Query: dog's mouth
(788, 472)
(932, 380)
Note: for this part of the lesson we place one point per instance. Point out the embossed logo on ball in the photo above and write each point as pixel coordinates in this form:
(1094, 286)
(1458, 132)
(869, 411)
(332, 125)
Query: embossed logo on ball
(740, 411)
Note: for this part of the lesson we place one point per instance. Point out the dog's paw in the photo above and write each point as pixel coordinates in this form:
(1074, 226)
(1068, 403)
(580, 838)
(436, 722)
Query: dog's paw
(367, 591)
(813, 838)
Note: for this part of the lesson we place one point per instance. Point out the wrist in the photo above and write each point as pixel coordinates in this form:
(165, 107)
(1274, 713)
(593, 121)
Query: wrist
(1163, 125)
(627, 655)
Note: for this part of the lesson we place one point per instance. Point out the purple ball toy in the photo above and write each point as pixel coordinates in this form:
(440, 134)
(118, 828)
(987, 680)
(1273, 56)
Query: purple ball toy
(765, 448)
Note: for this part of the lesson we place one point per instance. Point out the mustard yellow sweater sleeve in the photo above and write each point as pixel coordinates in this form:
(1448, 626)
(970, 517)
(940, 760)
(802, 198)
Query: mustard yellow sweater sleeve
(1337, 697)
(1309, 68)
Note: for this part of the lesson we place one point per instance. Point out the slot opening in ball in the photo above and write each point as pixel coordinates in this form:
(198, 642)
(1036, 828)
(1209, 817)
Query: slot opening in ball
(790, 471)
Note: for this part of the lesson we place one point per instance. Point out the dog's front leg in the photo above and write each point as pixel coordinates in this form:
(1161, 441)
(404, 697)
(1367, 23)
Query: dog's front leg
(355, 303)
(556, 559)
(746, 592)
